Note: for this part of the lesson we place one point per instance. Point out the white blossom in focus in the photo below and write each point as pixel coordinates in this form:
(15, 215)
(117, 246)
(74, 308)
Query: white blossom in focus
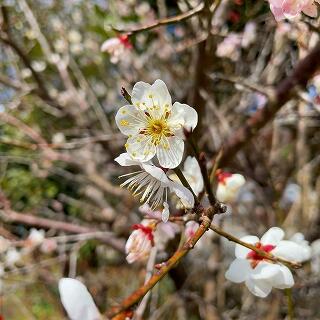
(229, 186)
(304, 244)
(259, 274)
(77, 300)
(153, 185)
(140, 241)
(154, 126)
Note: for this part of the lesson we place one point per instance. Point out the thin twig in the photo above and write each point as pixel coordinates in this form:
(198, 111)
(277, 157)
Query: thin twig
(166, 21)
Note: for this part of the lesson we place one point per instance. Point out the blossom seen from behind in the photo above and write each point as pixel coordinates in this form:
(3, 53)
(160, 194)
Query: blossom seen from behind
(153, 185)
(154, 126)
(117, 47)
(260, 274)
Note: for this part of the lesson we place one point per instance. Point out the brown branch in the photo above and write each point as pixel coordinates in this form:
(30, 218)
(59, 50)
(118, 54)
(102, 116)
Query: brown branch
(304, 70)
(291, 264)
(137, 295)
(162, 22)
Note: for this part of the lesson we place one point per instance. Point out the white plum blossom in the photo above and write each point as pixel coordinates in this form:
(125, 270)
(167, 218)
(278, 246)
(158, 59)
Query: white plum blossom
(77, 300)
(288, 9)
(116, 47)
(154, 126)
(154, 185)
(35, 238)
(228, 185)
(140, 241)
(259, 274)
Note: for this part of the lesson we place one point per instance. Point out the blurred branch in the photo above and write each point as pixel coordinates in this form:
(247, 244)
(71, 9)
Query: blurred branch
(166, 21)
(299, 77)
(291, 264)
(28, 219)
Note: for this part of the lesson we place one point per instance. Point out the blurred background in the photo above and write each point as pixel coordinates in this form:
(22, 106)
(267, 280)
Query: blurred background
(58, 96)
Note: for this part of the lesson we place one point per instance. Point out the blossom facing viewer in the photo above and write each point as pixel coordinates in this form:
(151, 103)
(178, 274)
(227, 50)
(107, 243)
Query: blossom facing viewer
(140, 241)
(288, 9)
(154, 126)
(77, 300)
(259, 274)
(229, 185)
(154, 185)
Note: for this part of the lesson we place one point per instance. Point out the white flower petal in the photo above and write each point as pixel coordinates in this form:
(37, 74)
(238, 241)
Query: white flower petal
(125, 160)
(161, 95)
(171, 155)
(310, 10)
(235, 182)
(259, 288)
(273, 236)
(157, 173)
(183, 116)
(284, 278)
(241, 252)
(130, 120)
(140, 148)
(139, 93)
(165, 212)
(265, 271)
(290, 250)
(193, 175)
(77, 300)
(183, 194)
(238, 271)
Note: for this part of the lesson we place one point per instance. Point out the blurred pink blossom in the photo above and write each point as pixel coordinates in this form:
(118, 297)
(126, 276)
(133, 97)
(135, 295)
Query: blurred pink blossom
(116, 47)
(288, 9)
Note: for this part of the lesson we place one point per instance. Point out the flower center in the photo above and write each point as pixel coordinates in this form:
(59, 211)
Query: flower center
(148, 231)
(254, 257)
(157, 128)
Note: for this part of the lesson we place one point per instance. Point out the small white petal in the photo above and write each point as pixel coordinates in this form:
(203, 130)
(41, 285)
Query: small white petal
(310, 10)
(160, 94)
(156, 172)
(284, 278)
(290, 250)
(183, 194)
(165, 212)
(259, 288)
(183, 116)
(139, 93)
(265, 271)
(125, 160)
(238, 271)
(171, 155)
(140, 148)
(130, 120)
(273, 236)
(77, 300)
(241, 252)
